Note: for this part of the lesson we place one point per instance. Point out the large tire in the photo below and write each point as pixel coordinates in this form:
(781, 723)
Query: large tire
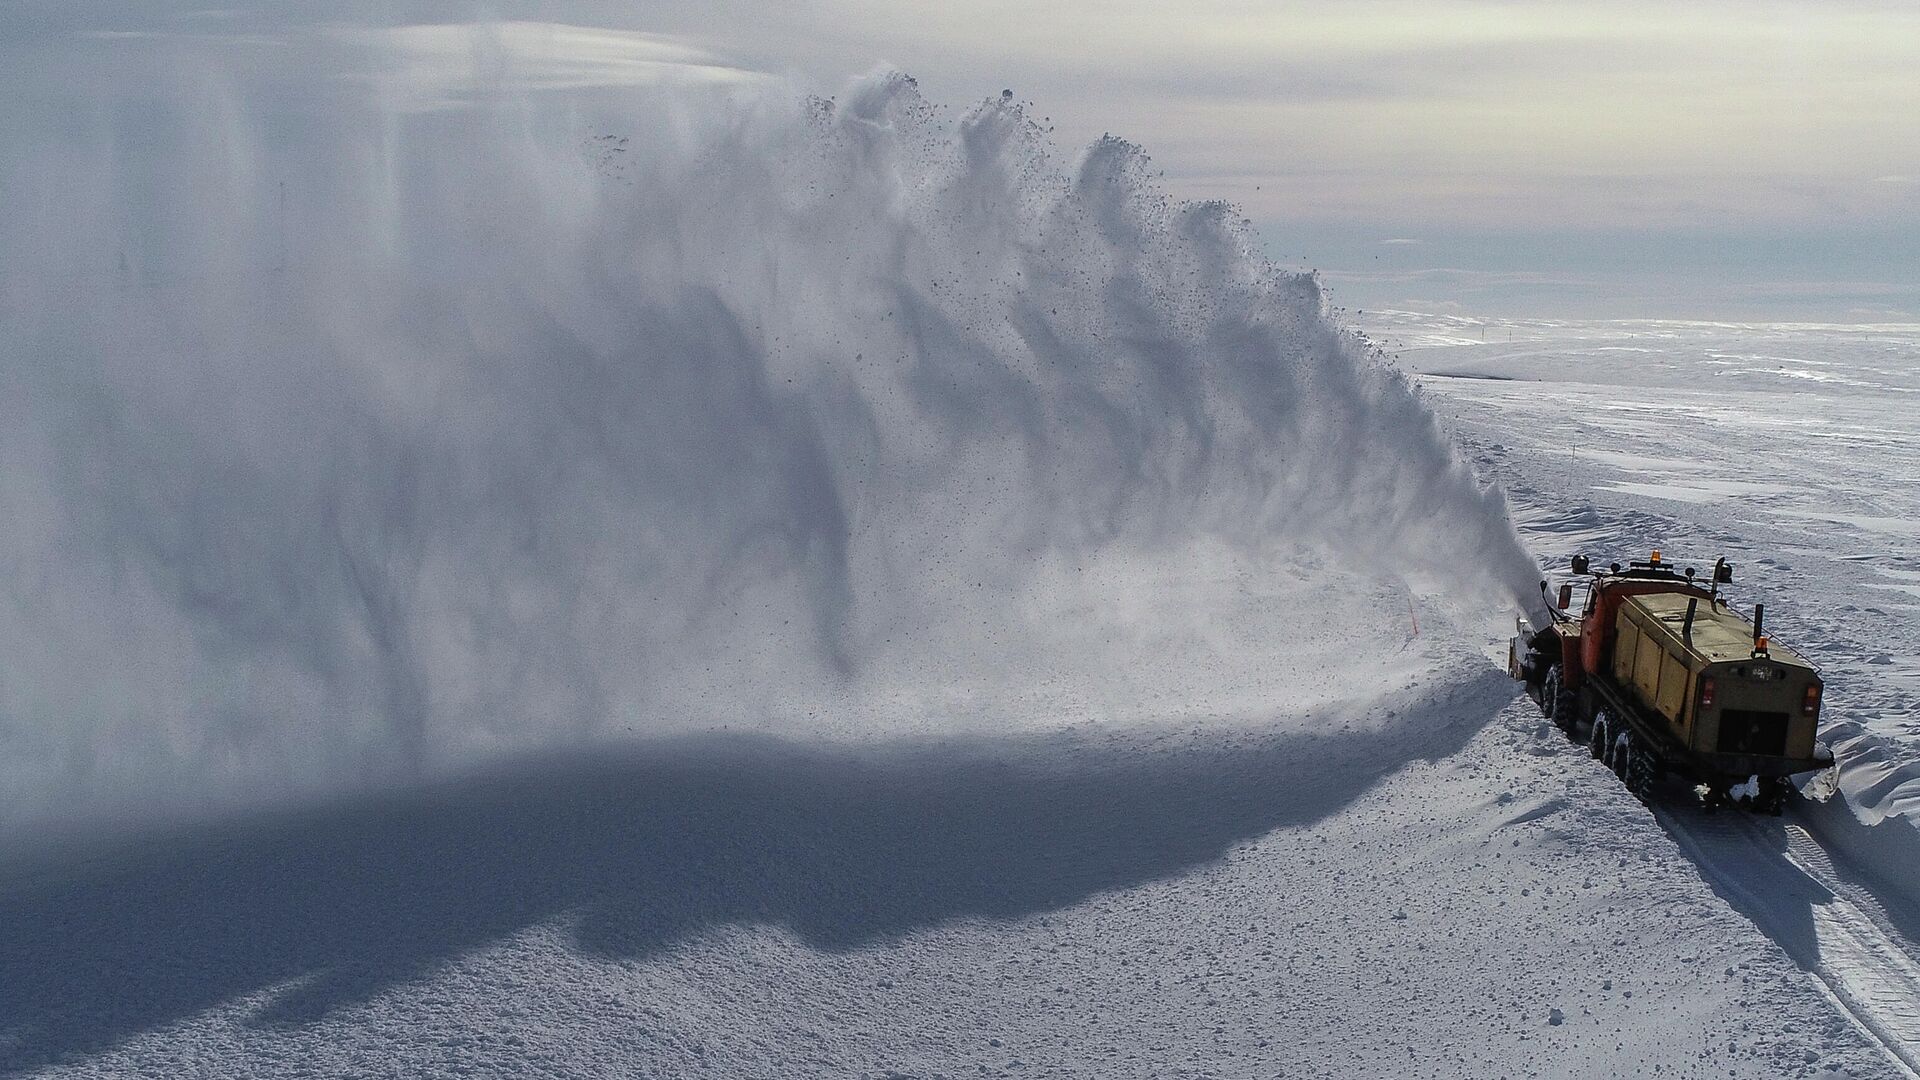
(1624, 744)
(1774, 795)
(1601, 738)
(1643, 770)
(1558, 702)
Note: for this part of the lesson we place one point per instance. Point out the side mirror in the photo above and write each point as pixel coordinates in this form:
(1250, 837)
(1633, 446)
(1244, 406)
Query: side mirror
(1722, 572)
(1566, 595)
(1579, 564)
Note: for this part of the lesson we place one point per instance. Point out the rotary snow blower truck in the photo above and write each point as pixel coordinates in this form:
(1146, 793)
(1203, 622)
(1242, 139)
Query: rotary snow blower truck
(1660, 676)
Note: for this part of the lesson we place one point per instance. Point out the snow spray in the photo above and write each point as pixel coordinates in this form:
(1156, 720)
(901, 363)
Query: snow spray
(344, 440)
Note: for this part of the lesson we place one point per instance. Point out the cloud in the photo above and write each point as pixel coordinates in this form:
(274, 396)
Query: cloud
(182, 36)
(1630, 114)
(433, 66)
(1400, 240)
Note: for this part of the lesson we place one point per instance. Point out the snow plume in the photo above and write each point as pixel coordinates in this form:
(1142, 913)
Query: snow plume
(348, 439)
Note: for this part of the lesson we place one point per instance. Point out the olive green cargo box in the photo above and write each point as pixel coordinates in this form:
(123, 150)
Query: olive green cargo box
(1715, 692)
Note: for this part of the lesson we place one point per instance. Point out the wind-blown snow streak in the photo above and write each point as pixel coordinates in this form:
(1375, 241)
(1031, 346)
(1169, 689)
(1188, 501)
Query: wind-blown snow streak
(341, 441)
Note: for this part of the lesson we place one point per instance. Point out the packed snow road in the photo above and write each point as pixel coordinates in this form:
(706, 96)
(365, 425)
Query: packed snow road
(1789, 449)
(1837, 929)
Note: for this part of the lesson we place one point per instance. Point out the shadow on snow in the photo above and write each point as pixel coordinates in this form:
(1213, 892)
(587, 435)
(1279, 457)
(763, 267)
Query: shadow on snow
(641, 849)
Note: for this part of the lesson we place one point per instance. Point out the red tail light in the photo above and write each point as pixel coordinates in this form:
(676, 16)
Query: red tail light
(1706, 693)
(1811, 703)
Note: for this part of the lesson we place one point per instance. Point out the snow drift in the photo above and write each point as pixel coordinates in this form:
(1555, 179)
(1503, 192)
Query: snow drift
(346, 441)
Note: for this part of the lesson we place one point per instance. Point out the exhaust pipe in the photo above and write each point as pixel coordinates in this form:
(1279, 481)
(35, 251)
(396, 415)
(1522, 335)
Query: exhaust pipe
(1686, 628)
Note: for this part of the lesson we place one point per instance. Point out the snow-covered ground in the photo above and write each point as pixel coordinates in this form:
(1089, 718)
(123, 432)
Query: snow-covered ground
(1399, 887)
(1390, 867)
(1340, 845)
(1337, 843)
(1792, 450)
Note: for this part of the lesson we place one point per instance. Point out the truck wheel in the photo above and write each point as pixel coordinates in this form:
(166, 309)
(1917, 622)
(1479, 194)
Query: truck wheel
(1602, 736)
(1623, 746)
(1643, 771)
(1774, 795)
(1558, 702)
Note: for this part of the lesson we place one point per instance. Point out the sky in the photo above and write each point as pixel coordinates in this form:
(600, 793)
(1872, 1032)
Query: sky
(1711, 160)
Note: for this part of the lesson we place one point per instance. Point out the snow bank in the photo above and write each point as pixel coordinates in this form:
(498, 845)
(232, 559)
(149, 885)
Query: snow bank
(348, 442)
(1875, 820)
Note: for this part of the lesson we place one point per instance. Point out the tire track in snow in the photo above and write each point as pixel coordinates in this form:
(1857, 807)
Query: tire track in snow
(1780, 877)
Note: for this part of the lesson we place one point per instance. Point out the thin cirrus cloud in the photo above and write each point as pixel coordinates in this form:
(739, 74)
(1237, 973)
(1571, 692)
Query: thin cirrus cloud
(1482, 112)
(434, 66)
(1333, 125)
(1408, 114)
